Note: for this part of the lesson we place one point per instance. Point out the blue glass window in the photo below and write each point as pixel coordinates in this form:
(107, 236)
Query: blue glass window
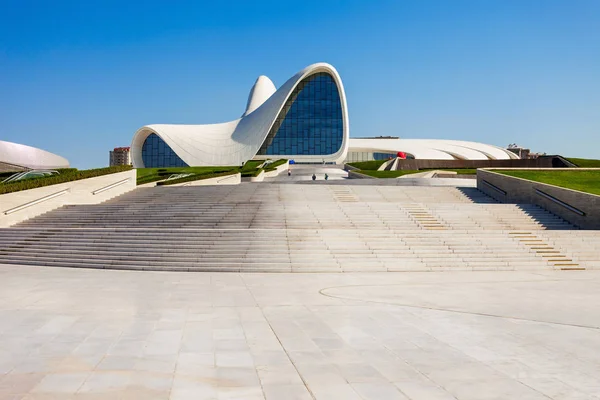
(383, 156)
(157, 154)
(310, 122)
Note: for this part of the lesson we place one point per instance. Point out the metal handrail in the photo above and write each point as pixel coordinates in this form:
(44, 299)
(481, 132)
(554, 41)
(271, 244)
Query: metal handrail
(560, 202)
(494, 187)
(112, 185)
(34, 202)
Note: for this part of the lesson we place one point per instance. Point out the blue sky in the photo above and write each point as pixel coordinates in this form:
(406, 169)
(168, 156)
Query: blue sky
(80, 77)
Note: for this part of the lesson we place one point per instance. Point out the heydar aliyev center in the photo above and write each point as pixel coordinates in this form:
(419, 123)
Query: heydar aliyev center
(306, 120)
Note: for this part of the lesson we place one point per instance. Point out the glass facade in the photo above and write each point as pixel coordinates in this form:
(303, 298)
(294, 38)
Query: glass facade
(157, 154)
(310, 122)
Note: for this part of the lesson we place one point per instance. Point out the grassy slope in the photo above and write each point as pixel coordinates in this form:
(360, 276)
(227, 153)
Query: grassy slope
(147, 175)
(251, 165)
(584, 162)
(275, 164)
(367, 165)
(396, 174)
(585, 181)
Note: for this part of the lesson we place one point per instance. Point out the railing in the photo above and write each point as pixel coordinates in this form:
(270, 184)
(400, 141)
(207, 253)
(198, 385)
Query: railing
(560, 202)
(229, 177)
(493, 187)
(37, 201)
(112, 185)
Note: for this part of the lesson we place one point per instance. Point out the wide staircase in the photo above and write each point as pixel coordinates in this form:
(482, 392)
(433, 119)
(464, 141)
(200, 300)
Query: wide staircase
(301, 228)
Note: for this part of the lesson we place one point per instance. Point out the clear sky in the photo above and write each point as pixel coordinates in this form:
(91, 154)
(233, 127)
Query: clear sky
(78, 78)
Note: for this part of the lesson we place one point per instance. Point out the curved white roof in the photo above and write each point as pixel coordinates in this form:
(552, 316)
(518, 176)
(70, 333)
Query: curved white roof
(263, 89)
(433, 149)
(237, 141)
(24, 156)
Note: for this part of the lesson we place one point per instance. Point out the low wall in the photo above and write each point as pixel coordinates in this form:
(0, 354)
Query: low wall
(358, 175)
(540, 162)
(233, 179)
(258, 178)
(579, 208)
(279, 169)
(20, 206)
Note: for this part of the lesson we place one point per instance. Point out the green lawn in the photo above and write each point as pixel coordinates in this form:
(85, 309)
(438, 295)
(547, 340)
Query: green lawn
(196, 177)
(584, 162)
(367, 165)
(462, 171)
(275, 164)
(251, 165)
(585, 181)
(147, 175)
(402, 172)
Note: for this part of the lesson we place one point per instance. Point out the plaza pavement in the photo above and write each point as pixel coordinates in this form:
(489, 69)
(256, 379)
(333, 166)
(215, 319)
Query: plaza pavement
(107, 334)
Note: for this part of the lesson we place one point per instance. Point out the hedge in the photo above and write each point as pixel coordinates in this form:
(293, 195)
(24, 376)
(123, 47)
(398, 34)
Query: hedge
(4, 175)
(68, 175)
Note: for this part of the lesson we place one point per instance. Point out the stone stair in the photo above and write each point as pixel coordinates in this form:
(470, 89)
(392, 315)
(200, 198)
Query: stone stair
(300, 228)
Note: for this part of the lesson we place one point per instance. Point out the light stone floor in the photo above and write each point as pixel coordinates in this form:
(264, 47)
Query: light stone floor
(101, 334)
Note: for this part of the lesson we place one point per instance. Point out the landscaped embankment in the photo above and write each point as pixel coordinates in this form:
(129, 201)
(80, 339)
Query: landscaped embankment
(24, 204)
(569, 193)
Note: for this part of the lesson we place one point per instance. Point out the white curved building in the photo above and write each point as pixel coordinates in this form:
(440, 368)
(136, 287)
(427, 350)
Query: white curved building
(428, 149)
(15, 157)
(306, 120)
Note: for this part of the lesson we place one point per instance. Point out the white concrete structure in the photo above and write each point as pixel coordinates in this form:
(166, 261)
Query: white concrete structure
(25, 204)
(14, 156)
(428, 149)
(237, 141)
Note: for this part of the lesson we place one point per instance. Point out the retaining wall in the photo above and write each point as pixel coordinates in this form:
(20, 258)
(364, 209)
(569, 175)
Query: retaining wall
(358, 175)
(20, 206)
(540, 162)
(579, 208)
(279, 169)
(233, 179)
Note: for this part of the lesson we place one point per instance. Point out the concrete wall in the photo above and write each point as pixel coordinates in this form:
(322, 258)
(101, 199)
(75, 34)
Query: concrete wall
(358, 175)
(14, 207)
(279, 169)
(541, 162)
(508, 189)
(219, 180)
